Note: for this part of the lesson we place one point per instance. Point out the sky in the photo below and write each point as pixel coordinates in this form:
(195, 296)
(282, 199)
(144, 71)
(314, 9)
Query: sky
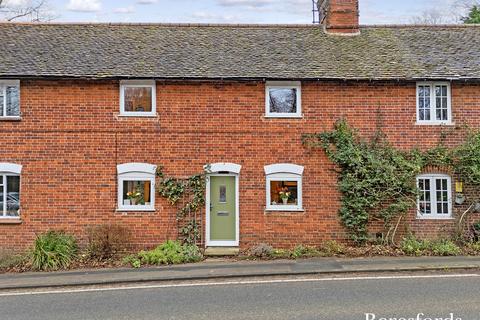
(231, 11)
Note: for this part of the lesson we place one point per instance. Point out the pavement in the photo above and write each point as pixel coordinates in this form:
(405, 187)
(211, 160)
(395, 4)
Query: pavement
(218, 269)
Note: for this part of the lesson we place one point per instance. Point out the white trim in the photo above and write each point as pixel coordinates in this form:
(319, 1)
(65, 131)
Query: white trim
(282, 207)
(283, 85)
(10, 168)
(212, 243)
(433, 120)
(283, 168)
(3, 86)
(136, 172)
(223, 167)
(138, 84)
(433, 198)
(136, 167)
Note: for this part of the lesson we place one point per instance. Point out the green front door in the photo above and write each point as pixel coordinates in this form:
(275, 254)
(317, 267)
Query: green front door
(223, 213)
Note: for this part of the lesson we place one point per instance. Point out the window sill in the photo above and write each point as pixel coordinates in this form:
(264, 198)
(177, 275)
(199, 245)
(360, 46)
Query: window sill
(139, 210)
(10, 118)
(10, 221)
(434, 218)
(137, 115)
(267, 210)
(298, 117)
(435, 123)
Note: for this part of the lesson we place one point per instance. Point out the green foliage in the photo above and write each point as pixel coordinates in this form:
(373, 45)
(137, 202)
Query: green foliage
(53, 250)
(169, 252)
(332, 248)
(441, 247)
(104, 241)
(473, 16)
(375, 178)
(444, 247)
(189, 196)
(467, 159)
(301, 251)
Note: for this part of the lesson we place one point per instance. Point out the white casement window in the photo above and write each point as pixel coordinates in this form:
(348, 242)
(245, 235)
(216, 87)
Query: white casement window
(284, 187)
(434, 103)
(136, 187)
(283, 100)
(138, 98)
(435, 196)
(9, 99)
(10, 190)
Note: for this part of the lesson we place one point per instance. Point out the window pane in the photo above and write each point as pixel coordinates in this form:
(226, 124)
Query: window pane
(136, 193)
(138, 99)
(222, 194)
(13, 101)
(1, 201)
(283, 100)
(13, 196)
(1, 101)
(283, 193)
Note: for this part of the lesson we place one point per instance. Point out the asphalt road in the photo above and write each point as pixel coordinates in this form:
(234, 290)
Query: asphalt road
(328, 299)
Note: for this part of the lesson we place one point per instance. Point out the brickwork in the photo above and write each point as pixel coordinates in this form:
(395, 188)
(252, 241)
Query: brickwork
(71, 138)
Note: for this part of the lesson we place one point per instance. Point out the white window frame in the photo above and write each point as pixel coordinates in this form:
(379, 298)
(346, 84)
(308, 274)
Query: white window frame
(138, 84)
(433, 197)
(12, 170)
(284, 172)
(433, 115)
(3, 87)
(283, 85)
(136, 172)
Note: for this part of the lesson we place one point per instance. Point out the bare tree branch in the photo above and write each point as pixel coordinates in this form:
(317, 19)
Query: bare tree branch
(31, 10)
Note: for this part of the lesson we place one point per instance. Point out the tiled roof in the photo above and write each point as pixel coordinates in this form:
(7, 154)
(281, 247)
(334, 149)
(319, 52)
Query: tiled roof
(237, 52)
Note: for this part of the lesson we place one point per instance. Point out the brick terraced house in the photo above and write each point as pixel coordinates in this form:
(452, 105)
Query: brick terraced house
(88, 112)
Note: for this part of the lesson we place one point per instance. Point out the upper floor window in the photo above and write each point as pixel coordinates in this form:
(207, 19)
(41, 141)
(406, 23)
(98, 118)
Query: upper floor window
(434, 103)
(435, 198)
(9, 99)
(137, 98)
(136, 186)
(283, 100)
(10, 190)
(284, 187)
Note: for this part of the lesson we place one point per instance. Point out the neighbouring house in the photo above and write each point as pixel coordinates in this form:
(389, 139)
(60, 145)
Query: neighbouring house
(89, 111)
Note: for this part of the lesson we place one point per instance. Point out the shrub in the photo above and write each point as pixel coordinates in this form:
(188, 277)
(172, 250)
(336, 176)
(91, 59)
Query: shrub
(474, 247)
(53, 250)
(9, 259)
(261, 250)
(301, 251)
(411, 246)
(169, 252)
(444, 248)
(104, 241)
(332, 248)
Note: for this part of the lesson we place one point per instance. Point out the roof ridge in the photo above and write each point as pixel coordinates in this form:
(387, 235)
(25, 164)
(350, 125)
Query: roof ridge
(450, 25)
(158, 24)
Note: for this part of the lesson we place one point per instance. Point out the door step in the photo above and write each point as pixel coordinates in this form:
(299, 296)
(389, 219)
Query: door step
(222, 251)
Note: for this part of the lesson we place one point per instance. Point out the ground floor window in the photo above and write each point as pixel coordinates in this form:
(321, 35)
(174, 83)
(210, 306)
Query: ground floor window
(284, 187)
(9, 190)
(435, 196)
(136, 185)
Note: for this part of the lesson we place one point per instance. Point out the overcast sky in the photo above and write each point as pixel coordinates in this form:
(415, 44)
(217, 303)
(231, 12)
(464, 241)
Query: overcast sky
(231, 11)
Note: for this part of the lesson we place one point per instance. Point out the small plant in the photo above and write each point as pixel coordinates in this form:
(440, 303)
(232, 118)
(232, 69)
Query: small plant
(444, 248)
(284, 194)
(301, 251)
(132, 260)
(169, 252)
(53, 250)
(412, 246)
(10, 259)
(104, 241)
(332, 248)
(261, 250)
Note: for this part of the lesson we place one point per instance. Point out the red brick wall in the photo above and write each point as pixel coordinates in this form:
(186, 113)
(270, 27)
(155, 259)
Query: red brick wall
(71, 138)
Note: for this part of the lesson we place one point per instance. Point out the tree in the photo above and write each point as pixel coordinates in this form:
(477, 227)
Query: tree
(26, 10)
(431, 17)
(473, 16)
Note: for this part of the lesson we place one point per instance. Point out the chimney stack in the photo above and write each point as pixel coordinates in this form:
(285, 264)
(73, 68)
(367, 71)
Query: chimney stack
(339, 16)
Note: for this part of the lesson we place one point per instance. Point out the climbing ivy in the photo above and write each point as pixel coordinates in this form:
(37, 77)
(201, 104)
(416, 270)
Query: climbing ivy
(188, 195)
